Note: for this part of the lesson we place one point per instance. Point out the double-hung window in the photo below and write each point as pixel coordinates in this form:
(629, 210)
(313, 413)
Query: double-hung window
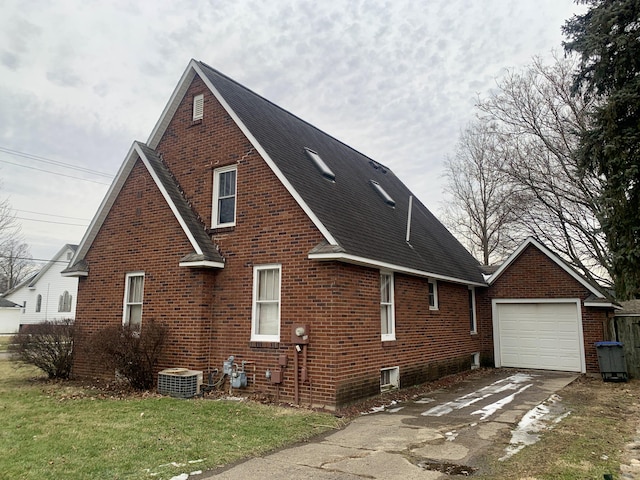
(387, 316)
(224, 196)
(64, 302)
(473, 325)
(133, 293)
(265, 324)
(433, 295)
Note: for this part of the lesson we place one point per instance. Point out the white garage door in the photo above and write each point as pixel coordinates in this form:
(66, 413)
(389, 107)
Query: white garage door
(539, 335)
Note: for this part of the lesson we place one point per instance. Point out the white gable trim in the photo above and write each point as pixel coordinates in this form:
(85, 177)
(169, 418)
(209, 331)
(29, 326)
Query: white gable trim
(194, 68)
(135, 152)
(367, 262)
(168, 199)
(32, 283)
(557, 260)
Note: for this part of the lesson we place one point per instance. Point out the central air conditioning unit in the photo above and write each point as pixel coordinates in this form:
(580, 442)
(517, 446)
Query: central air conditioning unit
(179, 382)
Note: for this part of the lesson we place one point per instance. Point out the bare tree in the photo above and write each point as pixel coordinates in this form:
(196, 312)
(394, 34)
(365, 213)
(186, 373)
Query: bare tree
(539, 122)
(482, 200)
(15, 257)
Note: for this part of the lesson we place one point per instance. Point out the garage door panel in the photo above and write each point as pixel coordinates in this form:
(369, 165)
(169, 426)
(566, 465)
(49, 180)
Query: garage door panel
(539, 335)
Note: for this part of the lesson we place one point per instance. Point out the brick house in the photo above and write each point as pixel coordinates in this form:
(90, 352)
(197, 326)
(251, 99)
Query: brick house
(251, 233)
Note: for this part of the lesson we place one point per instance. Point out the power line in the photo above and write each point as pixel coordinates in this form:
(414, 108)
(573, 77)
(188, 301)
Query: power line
(51, 215)
(54, 173)
(50, 221)
(38, 158)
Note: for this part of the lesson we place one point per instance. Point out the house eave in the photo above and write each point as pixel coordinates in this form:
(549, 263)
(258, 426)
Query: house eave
(602, 305)
(367, 262)
(201, 264)
(74, 274)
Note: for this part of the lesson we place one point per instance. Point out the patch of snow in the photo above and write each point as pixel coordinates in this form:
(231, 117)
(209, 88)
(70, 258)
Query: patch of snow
(535, 421)
(426, 400)
(451, 436)
(182, 476)
(512, 382)
(492, 408)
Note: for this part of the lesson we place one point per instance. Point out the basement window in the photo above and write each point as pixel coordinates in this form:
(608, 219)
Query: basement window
(389, 379)
(198, 107)
(475, 360)
(383, 193)
(320, 165)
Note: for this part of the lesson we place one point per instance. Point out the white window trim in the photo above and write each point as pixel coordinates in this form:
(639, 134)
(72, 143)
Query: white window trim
(125, 304)
(435, 295)
(256, 337)
(198, 107)
(394, 379)
(473, 316)
(216, 190)
(387, 337)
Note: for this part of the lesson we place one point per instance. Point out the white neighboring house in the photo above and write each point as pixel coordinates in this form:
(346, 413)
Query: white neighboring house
(46, 295)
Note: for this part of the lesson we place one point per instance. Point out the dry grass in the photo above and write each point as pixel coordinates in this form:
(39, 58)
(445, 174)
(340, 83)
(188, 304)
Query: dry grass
(587, 444)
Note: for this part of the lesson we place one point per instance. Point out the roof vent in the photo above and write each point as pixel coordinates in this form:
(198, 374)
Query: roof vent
(319, 163)
(198, 107)
(383, 193)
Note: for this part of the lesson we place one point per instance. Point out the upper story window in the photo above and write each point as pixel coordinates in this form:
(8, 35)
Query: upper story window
(473, 324)
(265, 324)
(224, 197)
(133, 294)
(387, 315)
(198, 107)
(64, 302)
(38, 303)
(433, 295)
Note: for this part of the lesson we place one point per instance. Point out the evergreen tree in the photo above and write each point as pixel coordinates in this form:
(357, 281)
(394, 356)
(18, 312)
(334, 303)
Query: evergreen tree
(607, 39)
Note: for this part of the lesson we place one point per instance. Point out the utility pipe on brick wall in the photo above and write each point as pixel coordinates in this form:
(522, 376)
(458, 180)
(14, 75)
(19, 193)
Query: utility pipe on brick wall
(296, 382)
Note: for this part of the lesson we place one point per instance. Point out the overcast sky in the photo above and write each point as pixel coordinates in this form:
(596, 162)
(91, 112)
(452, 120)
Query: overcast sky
(395, 79)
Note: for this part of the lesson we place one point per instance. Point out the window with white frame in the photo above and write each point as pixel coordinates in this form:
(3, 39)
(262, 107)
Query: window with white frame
(265, 324)
(433, 295)
(472, 310)
(64, 302)
(224, 197)
(133, 294)
(387, 316)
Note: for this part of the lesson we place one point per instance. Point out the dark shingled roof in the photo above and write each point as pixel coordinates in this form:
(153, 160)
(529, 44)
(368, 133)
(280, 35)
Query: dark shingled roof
(350, 208)
(195, 227)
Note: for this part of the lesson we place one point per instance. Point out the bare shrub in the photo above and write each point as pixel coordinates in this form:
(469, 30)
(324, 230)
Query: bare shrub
(131, 352)
(47, 345)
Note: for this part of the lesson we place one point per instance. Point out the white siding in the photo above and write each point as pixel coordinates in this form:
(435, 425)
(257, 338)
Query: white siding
(51, 285)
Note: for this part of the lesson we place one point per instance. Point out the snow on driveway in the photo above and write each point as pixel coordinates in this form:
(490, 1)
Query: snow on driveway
(516, 384)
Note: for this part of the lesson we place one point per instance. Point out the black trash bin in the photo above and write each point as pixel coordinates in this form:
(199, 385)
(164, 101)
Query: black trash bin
(613, 367)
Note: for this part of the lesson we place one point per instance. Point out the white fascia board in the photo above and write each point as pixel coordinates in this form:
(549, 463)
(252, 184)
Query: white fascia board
(172, 105)
(169, 201)
(202, 264)
(105, 205)
(602, 305)
(254, 142)
(367, 262)
(75, 274)
(552, 256)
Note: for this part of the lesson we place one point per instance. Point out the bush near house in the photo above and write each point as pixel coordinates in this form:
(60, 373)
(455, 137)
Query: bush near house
(132, 352)
(47, 345)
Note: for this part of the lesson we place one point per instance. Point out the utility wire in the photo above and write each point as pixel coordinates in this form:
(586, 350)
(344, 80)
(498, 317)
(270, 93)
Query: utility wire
(54, 173)
(50, 221)
(50, 215)
(53, 162)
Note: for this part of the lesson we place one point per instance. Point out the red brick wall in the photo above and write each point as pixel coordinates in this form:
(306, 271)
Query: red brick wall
(534, 275)
(209, 311)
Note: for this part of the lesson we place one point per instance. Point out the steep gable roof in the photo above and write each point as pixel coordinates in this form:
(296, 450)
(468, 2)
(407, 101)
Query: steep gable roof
(359, 224)
(598, 297)
(205, 253)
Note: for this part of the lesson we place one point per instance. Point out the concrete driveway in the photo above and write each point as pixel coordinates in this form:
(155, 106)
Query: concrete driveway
(446, 432)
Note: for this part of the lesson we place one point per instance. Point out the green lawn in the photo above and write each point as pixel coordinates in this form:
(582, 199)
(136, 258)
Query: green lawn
(54, 430)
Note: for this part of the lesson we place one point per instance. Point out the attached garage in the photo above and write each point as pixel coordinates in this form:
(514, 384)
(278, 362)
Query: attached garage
(539, 334)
